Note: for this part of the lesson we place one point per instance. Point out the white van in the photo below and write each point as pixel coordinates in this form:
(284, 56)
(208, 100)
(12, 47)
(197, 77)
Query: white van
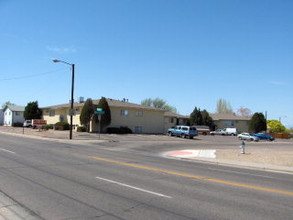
(230, 131)
(27, 123)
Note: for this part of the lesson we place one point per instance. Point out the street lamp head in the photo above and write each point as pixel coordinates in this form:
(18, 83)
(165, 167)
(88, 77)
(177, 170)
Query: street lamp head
(55, 60)
(61, 61)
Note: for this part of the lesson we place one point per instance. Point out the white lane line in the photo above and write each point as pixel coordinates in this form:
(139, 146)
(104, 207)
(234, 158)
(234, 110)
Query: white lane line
(132, 187)
(2, 149)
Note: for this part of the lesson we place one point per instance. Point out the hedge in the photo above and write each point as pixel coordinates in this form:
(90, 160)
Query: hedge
(62, 126)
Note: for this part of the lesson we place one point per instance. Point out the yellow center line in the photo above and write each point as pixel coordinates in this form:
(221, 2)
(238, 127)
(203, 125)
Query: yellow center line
(194, 176)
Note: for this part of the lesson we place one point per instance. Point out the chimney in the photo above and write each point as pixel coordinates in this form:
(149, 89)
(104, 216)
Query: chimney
(81, 99)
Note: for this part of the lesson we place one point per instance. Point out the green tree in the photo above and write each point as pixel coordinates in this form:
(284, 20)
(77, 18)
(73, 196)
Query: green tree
(257, 123)
(207, 119)
(106, 117)
(32, 111)
(147, 102)
(276, 126)
(196, 117)
(7, 103)
(87, 113)
(158, 103)
(224, 106)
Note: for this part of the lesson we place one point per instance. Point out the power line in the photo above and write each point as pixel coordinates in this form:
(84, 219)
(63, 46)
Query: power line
(31, 76)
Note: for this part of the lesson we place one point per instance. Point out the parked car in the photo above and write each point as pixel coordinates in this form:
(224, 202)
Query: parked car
(183, 131)
(263, 136)
(27, 123)
(230, 131)
(218, 132)
(248, 137)
(202, 129)
(225, 131)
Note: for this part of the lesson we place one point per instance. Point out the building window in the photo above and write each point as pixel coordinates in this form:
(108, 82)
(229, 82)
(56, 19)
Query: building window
(51, 113)
(62, 118)
(138, 129)
(139, 114)
(17, 113)
(229, 123)
(124, 112)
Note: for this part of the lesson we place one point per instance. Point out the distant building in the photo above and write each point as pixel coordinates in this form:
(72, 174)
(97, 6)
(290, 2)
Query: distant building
(231, 121)
(13, 114)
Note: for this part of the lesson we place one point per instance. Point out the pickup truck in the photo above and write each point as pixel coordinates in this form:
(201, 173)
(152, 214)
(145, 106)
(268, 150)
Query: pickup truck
(183, 131)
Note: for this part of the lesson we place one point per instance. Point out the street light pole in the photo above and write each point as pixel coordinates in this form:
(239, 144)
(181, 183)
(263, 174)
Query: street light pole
(72, 94)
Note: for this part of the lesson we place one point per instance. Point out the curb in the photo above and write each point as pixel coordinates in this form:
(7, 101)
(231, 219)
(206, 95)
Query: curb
(247, 165)
(64, 140)
(10, 209)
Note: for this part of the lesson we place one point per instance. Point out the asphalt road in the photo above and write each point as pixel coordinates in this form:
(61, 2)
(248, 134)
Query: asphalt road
(131, 180)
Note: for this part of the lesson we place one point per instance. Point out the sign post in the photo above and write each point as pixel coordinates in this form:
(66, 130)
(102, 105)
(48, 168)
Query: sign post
(99, 112)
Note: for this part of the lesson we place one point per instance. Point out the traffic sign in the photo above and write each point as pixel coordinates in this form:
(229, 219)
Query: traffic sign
(99, 111)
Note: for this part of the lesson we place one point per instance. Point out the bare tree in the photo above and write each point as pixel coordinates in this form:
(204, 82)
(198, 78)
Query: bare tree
(223, 106)
(245, 112)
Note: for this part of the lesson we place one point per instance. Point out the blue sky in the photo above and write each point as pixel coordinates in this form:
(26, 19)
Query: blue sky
(187, 52)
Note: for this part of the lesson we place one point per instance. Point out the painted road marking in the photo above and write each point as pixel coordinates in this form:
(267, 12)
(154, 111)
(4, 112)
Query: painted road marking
(194, 176)
(189, 153)
(2, 149)
(133, 187)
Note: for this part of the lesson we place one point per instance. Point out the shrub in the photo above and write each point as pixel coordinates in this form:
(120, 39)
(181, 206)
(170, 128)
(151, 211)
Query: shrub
(47, 127)
(17, 124)
(121, 130)
(81, 129)
(125, 130)
(62, 126)
(113, 130)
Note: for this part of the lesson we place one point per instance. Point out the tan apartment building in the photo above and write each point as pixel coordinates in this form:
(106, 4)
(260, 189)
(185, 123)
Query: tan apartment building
(231, 121)
(173, 119)
(139, 118)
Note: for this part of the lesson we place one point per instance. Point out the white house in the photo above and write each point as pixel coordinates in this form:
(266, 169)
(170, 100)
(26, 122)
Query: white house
(1, 116)
(13, 114)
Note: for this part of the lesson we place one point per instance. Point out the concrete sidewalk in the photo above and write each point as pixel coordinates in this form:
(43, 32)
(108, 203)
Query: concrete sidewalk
(10, 209)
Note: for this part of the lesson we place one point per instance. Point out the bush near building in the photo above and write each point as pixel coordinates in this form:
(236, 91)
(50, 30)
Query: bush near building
(47, 127)
(17, 124)
(62, 126)
(121, 130)
(81, 129)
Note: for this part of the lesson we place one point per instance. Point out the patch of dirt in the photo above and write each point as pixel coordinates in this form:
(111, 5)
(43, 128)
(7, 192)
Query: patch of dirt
(266, 156)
